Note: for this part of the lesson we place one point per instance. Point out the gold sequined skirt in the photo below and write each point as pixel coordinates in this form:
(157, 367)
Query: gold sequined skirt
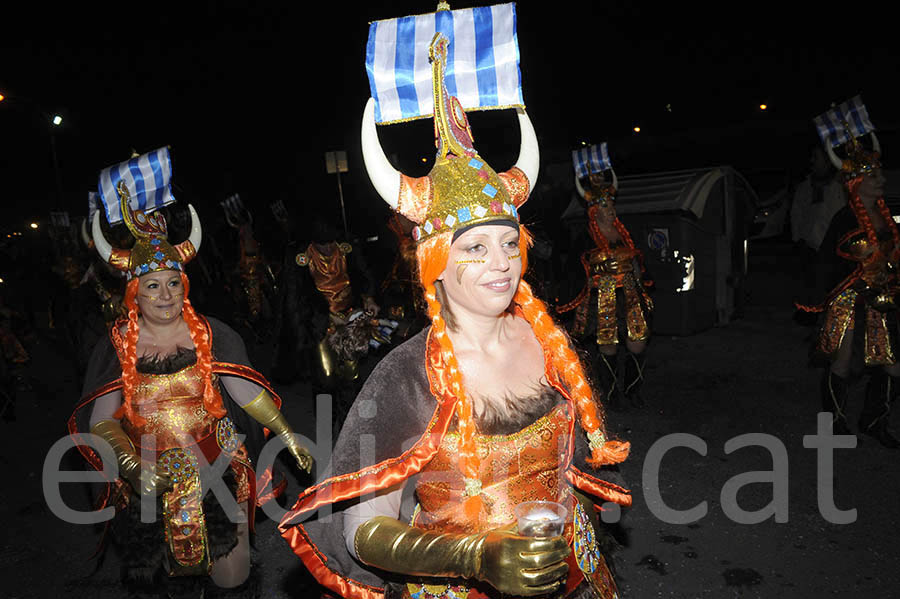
(609, 302)
(841, 318)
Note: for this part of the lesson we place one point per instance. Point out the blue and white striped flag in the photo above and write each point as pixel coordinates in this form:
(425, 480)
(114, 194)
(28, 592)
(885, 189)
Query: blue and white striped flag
(594, 159)
(148, 180)
(482, 61)
(830, 125)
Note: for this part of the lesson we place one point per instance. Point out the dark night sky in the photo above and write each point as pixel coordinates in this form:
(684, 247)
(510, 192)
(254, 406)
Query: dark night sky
(250, 97)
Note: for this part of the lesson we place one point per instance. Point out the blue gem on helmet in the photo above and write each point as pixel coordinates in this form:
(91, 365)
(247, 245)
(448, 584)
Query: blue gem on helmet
(464, 214)
(159, 255)
(154, 241)
(475, 163)
(489, 190)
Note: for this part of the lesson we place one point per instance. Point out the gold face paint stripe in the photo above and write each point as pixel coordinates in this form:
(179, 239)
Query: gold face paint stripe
(460, 269)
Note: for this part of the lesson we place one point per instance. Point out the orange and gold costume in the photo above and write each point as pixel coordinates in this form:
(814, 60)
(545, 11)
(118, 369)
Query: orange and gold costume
(618, 289)
(404, 430)
(172, 413)
(874, 281)
(331, 275)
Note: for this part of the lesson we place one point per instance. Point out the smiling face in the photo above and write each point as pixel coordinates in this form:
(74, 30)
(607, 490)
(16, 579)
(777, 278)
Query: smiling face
(160, 296)
(483, 270)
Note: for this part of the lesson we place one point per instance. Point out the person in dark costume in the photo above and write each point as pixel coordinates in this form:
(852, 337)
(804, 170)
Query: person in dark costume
(178, 387)
(470, 417)
(346, 321)
(614, 305)
(858, 331)
(400, 290)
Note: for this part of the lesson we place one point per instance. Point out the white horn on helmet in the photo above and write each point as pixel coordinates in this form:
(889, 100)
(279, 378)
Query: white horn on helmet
(84, 233)
(385, 178)
(196, 235)
(578, 187)
(529, 160)
(837, 162)
(103, 247)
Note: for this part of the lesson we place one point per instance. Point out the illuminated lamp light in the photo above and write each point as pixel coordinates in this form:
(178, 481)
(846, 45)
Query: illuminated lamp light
(687, 281)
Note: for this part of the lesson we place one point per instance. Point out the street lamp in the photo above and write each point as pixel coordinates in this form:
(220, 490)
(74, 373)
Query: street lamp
(56, 120)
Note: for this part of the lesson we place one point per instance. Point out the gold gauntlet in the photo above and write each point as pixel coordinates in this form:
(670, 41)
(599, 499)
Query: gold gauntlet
(263, 410)
(143, 479)
(519, 566)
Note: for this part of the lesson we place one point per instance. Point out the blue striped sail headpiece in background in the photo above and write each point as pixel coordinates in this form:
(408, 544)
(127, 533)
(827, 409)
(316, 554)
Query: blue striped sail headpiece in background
(593, 159)
(482, 64)
(146, 177)
(830, 124)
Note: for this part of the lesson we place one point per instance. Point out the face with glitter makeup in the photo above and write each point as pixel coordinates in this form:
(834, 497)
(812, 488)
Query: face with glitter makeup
(483, 270)
(160, 296)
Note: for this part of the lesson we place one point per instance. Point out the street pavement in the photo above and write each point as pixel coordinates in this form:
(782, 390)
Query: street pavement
(751, 376)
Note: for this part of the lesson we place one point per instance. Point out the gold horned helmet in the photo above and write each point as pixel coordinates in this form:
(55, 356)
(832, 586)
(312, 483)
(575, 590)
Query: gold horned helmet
(859, 160)
(152, 251)
(600, 192)
(461, 190)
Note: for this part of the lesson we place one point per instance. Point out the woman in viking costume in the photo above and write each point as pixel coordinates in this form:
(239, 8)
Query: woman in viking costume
(859, 328)
(486, 408)
(613, 303)
(164, 391)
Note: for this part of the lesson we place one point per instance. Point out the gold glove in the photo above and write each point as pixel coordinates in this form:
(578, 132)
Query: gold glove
(143, 477)
(263, 410)
(518, 566)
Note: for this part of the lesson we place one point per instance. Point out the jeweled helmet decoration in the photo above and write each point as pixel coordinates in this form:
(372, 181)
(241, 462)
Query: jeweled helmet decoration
(844, 126)
(148, 176)
(461, 190)
(592, 162)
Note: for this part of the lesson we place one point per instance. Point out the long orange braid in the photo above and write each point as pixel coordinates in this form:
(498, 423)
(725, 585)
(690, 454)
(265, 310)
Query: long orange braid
(129, 356)
(432, 256)
(603, 243)
(862, 216)
(212, 399)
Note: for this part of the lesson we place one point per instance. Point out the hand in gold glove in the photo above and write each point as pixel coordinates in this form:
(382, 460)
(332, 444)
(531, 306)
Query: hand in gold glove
(143, 477)
(519, 566)
(263, 410)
